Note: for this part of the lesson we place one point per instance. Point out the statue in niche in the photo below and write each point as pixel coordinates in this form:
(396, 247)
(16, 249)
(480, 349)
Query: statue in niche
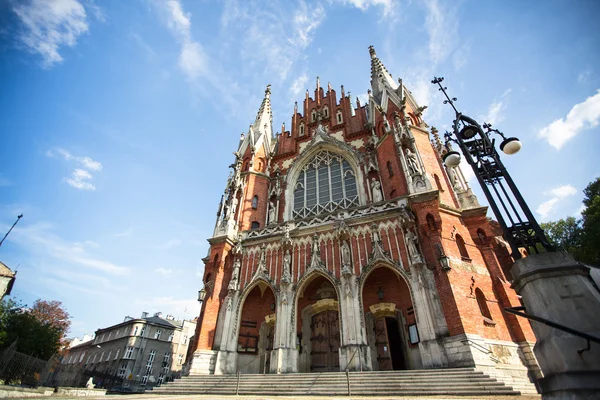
(412, 163)
(272, 212)
(372, 162)
(453, 177)
(376, 189)
(236, 275)
(233, 208)
(346, 254)
(287, 262)
(411, 245)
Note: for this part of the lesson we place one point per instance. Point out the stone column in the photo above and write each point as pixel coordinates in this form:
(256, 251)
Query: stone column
(556, 287)
(226, 362)
(355, 354)
(430, 318)
(284, 356)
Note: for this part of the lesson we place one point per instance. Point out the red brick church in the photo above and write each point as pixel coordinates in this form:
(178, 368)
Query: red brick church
(345, 243)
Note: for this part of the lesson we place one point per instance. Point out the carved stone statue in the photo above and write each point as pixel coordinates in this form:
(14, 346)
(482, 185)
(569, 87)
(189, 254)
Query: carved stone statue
(376, 189)
(412, 163)
(411, 245)
(453, 177)
(346, 254)
(233, 208)
(287, 262)
(235, 277)
(272, 212)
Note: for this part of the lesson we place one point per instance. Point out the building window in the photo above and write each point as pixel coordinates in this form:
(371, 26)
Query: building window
(482, 236)
(165, 363)
(157, 334)
(313, 116)
(129, 353)
(122, 370)
(151, 356)
(185, 339)
(135, 330)
(171, 335)
(325, 112)
(161, 379)
(108, 356)
(179, 359)
(255, 225)
(94, 359)
(109, 335)
(101, 357)
(339, 117)
(390, 169)
(460, 243)
(483, 307)
(255, 202)
(143, 331)
(82, 355)
(326, 183)
(301, 129)
(117, 355)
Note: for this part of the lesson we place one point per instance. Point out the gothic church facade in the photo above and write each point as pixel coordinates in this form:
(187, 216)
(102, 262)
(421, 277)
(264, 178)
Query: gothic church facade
(345, 243)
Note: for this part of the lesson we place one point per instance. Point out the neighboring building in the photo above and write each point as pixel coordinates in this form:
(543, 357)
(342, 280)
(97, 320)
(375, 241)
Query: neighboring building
(345, 242)
(150, 349)
(7, 280)
(76, 341)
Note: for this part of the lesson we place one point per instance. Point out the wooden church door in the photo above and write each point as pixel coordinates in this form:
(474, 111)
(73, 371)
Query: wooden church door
(325, 342)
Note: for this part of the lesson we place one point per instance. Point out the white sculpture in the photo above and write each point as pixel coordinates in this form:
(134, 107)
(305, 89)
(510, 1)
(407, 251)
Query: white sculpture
(376, 189)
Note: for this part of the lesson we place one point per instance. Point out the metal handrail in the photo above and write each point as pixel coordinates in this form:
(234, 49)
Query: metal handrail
(586, 336)
(351, 358)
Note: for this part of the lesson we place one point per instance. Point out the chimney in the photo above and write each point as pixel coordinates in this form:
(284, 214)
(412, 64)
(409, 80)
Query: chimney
(144, 314)
(170, 317)
(158, 314)
(127, 318)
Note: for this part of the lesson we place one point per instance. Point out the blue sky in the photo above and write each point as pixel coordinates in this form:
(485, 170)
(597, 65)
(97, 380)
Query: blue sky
(118, 119)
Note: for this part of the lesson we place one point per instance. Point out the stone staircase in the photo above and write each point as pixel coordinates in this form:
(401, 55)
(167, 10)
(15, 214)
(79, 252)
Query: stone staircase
(455, 381)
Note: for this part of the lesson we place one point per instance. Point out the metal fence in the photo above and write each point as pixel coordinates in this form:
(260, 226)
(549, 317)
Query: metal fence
(24, 370)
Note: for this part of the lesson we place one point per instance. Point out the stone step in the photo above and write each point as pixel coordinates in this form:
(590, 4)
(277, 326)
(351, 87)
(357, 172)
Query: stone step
(457, 382)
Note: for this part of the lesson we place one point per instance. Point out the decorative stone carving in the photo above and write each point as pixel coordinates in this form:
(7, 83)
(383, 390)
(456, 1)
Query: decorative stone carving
(315, 257)
(287, 262)
(262, 263)
(412, 162)
(235, 278)
(412, 246)
(346, 258)
(378, 251)
(286, 240)
(272, 212)
(376, 189)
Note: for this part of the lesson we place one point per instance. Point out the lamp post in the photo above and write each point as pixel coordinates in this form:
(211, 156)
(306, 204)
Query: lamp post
(550, 283)
(11, 228)
(518, 224)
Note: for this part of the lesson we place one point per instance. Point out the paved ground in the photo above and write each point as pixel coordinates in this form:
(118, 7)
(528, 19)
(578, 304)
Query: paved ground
(213, 397)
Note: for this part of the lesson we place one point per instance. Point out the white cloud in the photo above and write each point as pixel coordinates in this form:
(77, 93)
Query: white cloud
(363, 5)
(299, 84)
(169, 244)
(497, 109)
(192, 59)
(582, 116)
(85, 162)
(40, 238)
(80, 177)
(584, 76)
(306, 22)
(164, 271)
(50, 24)
(128, 232)
(441, 26)
(79, 180)
(557, 194)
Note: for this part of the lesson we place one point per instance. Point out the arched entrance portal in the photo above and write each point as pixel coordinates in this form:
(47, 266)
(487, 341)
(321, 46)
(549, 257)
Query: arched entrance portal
(257, 324)
(389, 315)
(319, 326)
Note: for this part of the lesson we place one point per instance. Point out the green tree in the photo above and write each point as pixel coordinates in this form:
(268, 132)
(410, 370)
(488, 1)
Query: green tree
(565, 234)
(591, 224)
(36, 332)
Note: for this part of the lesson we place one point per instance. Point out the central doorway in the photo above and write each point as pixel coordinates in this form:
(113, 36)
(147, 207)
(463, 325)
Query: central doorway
(389, 344)
(325, 342)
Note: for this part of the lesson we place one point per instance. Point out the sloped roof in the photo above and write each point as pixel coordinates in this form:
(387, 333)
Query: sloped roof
(5, 271)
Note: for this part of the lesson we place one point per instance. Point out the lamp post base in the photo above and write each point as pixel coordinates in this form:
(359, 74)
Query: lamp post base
(557, 288)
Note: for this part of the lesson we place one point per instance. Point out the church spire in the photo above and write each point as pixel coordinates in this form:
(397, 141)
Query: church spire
(263, 123)
(380, 77)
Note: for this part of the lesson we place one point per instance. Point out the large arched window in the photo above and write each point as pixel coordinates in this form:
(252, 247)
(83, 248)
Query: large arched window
(460, 243)
(327, 183)
(482, 302)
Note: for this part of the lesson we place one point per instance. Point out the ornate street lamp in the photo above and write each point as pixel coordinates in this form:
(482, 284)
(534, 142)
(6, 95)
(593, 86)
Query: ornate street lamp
(201, 295)
(520, 228)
